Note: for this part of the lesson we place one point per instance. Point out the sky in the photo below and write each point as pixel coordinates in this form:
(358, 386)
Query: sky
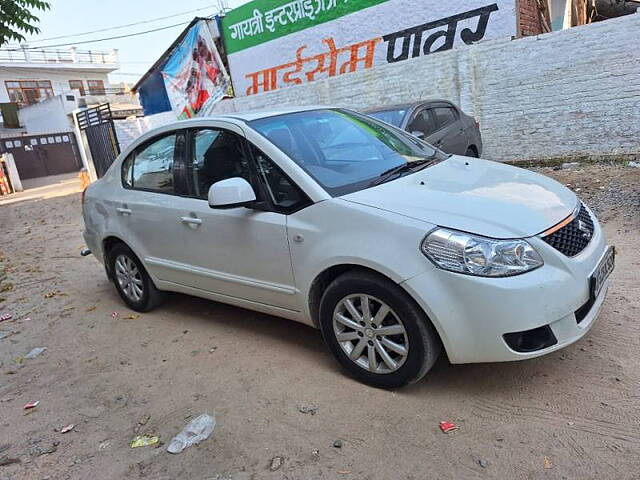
(138, 53)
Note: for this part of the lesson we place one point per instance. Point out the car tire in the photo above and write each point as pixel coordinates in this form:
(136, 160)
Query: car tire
(406, 328)
(132, 281)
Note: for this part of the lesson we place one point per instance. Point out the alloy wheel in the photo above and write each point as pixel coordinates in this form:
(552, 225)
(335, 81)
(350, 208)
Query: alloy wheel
(129, 278)
(370, 333)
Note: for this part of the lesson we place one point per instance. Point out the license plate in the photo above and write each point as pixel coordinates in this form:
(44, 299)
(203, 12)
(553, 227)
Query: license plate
(602, 271)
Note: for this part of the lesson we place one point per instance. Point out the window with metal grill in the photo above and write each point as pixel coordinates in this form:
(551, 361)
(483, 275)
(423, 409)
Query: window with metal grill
(574, 236)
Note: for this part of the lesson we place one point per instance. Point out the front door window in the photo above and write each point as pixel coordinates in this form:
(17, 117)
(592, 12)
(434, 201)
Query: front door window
(217, 155)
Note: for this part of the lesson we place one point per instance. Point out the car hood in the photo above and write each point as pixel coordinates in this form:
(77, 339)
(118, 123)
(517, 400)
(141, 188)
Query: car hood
(476, 196)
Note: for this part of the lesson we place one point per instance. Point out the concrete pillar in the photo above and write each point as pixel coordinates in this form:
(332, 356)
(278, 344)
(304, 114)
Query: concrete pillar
(83, 146)
(26, 52)
(14, 176)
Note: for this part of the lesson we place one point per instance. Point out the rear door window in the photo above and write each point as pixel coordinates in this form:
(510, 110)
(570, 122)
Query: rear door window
(151, 167)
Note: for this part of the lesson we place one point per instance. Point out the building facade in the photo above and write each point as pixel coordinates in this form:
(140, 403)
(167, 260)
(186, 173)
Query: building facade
(28, 76)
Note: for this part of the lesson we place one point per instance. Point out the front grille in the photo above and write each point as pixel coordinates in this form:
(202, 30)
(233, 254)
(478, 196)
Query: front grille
(574, 236)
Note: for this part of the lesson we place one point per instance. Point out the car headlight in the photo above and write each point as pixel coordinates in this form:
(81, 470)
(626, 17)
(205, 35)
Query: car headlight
(475, 255)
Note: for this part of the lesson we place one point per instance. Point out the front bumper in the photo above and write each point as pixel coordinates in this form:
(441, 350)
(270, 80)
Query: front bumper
(472, 314)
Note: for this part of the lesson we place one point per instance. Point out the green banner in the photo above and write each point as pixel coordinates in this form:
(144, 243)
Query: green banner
(263, 20)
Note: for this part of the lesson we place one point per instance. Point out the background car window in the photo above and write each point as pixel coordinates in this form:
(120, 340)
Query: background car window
(282, 192)
(153, 166)
(444, 116)
(423, 123)
(216, 155)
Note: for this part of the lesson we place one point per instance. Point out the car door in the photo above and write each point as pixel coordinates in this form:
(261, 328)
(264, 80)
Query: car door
(449, 135)
(147, 203)
(237, 252)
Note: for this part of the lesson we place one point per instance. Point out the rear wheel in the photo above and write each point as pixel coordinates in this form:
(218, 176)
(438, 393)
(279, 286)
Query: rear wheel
(376, 331)
(471, 152)
(131, 280)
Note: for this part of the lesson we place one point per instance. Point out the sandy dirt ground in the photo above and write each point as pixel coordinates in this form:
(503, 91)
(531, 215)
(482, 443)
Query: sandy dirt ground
(573, 414)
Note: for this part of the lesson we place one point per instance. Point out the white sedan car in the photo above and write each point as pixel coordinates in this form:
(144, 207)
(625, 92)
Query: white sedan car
(392, 248)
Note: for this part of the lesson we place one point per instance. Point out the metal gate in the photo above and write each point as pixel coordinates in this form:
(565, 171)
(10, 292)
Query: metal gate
(97, 124)
(43, 155)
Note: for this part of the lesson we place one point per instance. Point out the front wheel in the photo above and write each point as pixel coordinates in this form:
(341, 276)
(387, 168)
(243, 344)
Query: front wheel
(376, 331)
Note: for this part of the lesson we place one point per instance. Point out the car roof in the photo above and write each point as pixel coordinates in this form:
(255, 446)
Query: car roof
(234, 117)
(258, 114)
(406, 106)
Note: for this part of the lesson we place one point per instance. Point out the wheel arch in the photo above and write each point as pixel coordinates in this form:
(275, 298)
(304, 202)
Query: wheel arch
(329, 274)
(108, 243)
(324, 278)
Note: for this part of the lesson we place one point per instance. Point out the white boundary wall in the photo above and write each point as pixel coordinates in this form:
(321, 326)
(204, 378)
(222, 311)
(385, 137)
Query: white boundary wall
(571, 92)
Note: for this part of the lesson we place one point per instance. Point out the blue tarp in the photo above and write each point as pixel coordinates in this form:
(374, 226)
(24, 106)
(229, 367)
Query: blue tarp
(153, 95)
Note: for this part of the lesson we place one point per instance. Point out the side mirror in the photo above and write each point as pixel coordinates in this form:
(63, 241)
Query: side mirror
(231, 193)
(418, 134)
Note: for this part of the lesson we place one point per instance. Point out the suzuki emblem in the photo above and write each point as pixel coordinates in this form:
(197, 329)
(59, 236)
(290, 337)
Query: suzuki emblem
(586, 233)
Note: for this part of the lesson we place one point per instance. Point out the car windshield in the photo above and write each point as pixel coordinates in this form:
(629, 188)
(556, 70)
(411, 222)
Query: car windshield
(343, 150)
(392, 116)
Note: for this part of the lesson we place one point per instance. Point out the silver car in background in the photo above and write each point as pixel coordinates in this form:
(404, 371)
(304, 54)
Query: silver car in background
(438, 122)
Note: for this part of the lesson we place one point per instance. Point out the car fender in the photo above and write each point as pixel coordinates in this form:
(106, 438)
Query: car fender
(324, 235)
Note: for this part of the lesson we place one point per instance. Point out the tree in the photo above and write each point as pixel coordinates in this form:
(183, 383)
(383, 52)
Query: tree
(16, 18)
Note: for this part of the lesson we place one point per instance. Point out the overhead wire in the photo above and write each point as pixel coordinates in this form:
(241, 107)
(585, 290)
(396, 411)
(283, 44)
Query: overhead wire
(118, 27)
(117, 37)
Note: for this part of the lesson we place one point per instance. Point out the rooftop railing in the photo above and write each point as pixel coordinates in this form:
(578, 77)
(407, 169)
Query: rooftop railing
(26, 54)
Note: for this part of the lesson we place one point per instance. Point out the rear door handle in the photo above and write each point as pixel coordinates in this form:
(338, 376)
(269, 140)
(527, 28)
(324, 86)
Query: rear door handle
(123, 211)
(191, 220)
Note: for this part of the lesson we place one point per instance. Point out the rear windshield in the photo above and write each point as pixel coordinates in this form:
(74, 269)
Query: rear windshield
(392, 116)
(342, 150)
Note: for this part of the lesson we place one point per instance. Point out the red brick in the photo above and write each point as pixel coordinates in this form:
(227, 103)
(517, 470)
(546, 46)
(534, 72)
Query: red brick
(529, 18)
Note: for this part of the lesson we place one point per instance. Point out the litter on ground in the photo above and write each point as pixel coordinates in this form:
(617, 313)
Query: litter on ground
(310, 409)
(35, 352)
(143, 441)
(447, 427)
(197, 430)
(68, 428)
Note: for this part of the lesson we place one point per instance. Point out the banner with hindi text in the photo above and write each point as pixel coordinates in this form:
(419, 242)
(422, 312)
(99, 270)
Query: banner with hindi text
(295, 42)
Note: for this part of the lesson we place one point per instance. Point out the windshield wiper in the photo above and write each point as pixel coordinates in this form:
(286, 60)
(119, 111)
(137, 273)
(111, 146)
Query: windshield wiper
(399, 169)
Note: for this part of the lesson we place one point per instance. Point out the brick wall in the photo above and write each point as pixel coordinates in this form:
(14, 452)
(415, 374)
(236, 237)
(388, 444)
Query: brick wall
(529, 18)
(570, 92)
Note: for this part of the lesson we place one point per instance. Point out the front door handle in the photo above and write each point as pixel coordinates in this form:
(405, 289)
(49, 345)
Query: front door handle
(123, 211)
(191, 220)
